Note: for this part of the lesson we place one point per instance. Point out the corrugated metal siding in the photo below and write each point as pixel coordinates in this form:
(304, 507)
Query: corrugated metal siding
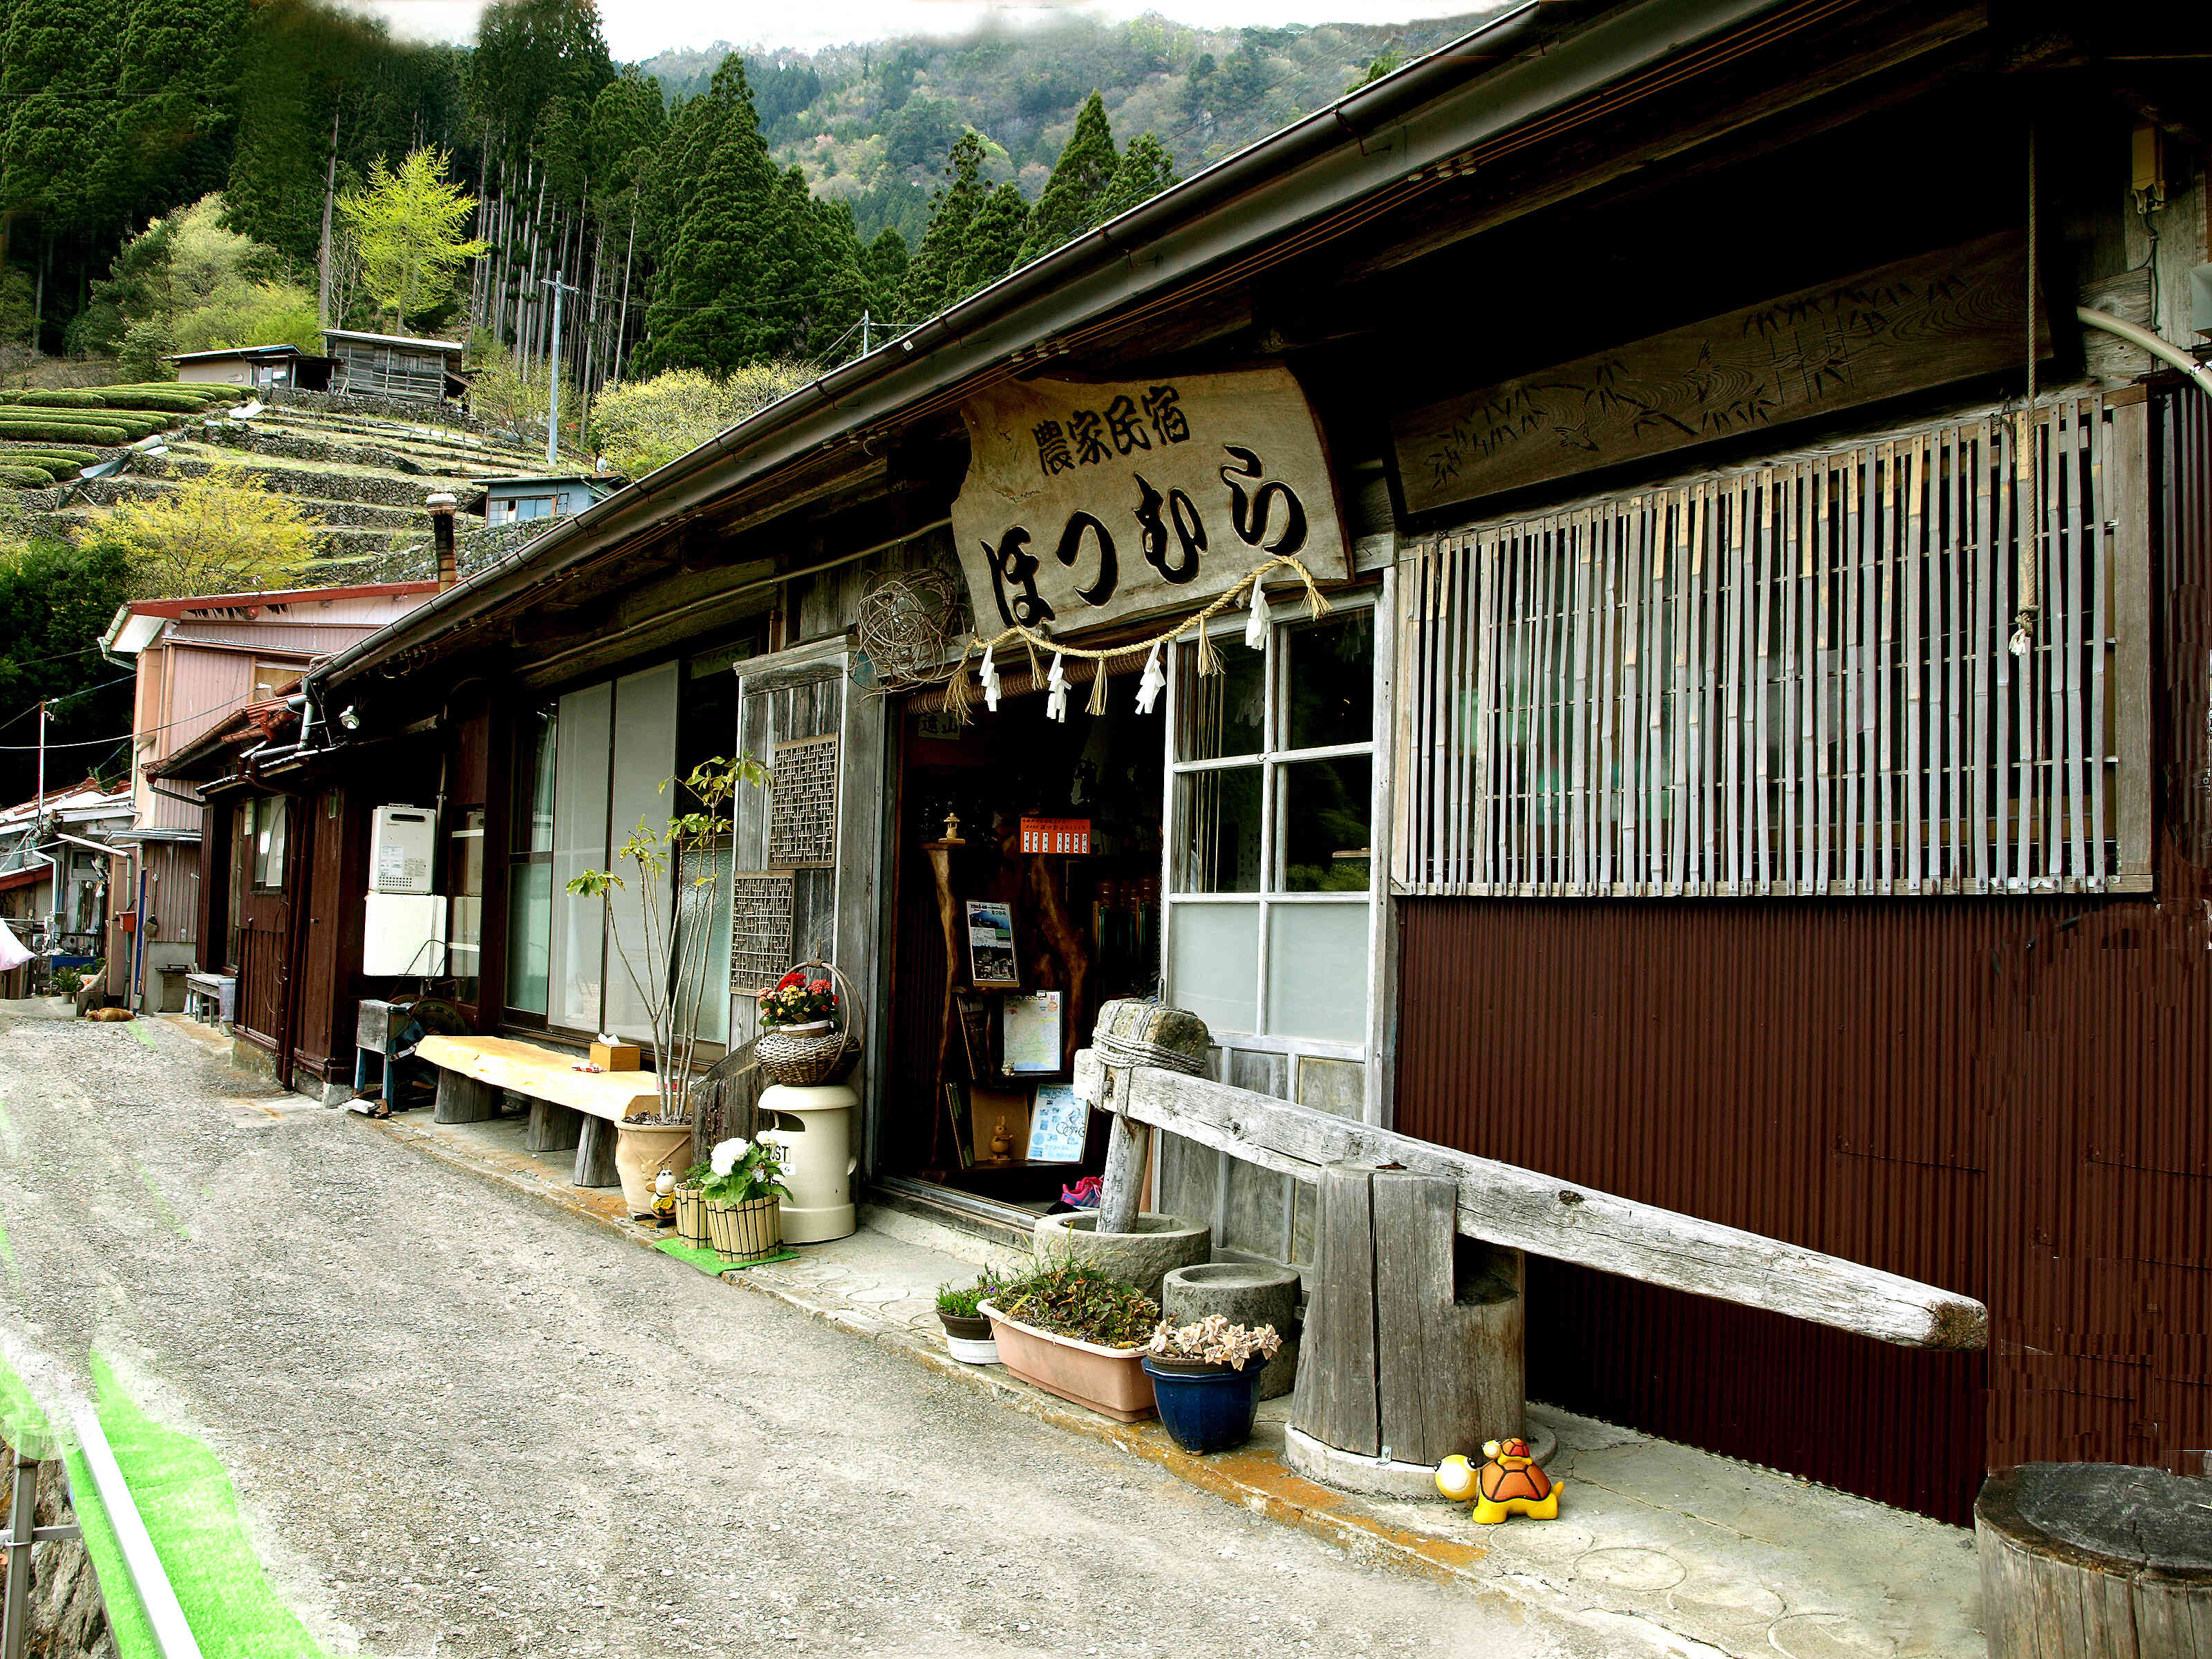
(2012, 1100)
(310, 639)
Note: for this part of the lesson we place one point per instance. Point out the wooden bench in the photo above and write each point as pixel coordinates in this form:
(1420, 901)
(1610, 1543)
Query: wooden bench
(567, 1108)
(208, 997)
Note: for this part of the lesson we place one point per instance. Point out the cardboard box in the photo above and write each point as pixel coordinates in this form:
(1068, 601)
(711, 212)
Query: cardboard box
(615, 1056)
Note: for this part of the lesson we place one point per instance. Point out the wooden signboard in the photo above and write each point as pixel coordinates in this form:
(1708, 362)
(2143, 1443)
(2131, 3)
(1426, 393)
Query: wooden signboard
(1086, 502)
(1920, 322)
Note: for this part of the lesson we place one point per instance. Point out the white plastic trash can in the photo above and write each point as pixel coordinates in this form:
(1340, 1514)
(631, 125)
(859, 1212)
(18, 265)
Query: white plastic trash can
(814, 1128)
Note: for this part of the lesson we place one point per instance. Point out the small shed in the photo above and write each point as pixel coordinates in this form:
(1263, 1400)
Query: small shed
(394, 365)
(262, 367)
(545, 496)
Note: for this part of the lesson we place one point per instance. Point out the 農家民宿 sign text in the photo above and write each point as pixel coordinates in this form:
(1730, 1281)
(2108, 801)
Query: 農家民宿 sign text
(1088, 501)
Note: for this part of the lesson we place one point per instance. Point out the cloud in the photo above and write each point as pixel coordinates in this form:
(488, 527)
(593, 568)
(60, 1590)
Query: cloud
(638, 28)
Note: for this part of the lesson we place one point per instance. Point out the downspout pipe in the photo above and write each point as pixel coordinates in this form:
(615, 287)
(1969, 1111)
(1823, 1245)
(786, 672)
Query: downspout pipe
(2157, 344)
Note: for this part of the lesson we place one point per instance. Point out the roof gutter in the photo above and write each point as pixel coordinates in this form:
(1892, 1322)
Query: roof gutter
(1176, 233)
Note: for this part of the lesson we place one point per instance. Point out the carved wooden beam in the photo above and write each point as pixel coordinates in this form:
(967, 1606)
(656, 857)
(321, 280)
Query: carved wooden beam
(1525, 1210)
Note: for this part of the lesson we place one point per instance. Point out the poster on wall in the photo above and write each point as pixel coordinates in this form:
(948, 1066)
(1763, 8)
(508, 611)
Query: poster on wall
(1085, 501)
(1030, 1034)
(1058, 1124)
(991, 942)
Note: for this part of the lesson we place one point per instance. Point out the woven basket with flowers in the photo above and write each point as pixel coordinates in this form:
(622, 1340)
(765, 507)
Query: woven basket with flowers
(810, 1027)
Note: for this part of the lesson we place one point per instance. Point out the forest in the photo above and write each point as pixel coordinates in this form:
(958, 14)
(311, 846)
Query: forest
(181, 175)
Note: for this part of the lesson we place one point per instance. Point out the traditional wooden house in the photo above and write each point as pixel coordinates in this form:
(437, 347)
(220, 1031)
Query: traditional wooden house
(262, 368)
(394, 366)
(1606, 601)
(54, 886)
(511, 500)
(199, 661)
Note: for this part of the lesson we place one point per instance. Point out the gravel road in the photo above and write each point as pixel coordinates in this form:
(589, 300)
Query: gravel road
(460, 1423)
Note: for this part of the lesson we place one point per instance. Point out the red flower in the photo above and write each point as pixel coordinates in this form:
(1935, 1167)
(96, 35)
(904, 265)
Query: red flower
(818, 987)
(794, 978)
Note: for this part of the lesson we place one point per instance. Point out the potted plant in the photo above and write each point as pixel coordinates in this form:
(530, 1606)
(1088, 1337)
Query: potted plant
(691, 1204)
(808, 1038)
(1205, 1380)
(744, 1192)
(1073, 1332)
(666, 961)
(967, 1331)
(797, 1003)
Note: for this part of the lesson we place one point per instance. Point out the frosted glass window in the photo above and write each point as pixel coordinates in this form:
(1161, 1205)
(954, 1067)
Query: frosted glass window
(1316, 970)
(1213, 953)
(577, 962)
(644, 759)
(529, 923)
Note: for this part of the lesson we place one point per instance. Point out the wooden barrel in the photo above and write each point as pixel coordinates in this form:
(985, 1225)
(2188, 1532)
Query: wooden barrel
(2096, 1561)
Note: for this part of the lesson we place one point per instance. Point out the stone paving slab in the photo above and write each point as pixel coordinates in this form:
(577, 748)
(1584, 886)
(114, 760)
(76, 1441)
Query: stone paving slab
(1661, 1548)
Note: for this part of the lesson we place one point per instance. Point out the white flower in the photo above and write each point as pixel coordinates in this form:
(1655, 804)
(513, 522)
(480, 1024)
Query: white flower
(724, 1158)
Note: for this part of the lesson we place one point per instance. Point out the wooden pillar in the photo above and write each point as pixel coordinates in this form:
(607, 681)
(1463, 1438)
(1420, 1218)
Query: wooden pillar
(595, 1154)
(1121, 1190)
(1413, 1344)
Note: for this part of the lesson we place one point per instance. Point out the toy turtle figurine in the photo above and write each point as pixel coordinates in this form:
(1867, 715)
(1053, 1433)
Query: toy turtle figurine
(1510, 1483)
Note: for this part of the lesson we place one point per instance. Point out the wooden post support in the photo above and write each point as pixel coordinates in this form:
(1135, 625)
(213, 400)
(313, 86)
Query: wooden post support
(2095, 1561)
(463, 1099)
(1405, 1356)
(595, 1155)
(1448, 1367)
(1121, 1190)
(1335, 1400)
(553, 1127)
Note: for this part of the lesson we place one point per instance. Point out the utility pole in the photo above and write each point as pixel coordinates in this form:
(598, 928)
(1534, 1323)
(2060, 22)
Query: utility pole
(40, 810)
(864, 332)
(329, 193)
(553, 408)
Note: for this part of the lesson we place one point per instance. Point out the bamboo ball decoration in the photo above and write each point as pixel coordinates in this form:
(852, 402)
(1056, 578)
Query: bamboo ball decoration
(905, 621)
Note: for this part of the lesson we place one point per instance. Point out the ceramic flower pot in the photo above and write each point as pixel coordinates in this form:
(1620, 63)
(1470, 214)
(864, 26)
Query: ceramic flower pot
(750, 1232)
(1110, 1380)
(642, 1150)
(1205, 1407)
(969, 1338)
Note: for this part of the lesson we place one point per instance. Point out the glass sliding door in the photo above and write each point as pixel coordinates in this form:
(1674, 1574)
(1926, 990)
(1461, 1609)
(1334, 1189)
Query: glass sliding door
(583, 745)
(642, 800)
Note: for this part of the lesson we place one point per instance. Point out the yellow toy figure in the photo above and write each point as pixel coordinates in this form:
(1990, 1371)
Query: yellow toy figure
(1510, 1483)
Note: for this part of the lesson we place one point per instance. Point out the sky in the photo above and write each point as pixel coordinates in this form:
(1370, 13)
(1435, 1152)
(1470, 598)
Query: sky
(636, 29)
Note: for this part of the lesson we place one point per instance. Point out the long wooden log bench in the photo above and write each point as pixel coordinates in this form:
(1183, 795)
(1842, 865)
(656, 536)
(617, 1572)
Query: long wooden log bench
(567, 1108)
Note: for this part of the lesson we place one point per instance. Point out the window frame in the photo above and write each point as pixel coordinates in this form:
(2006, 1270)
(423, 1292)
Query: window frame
(257, 844)
(1271, 762)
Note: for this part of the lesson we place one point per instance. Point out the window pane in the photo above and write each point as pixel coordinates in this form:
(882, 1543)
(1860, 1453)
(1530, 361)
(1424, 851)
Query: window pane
(579, 843)
(1325, 833)
(706, 961)
(1329, 676)
(1317, 971)
(1224, 714)
(645, 759)
(529, 935)
(1218, 831)
(464, 942)
(1213, 965)
(534, 745)
(268, 842)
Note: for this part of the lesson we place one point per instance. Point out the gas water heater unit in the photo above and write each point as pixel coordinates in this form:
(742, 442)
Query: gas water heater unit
(401, 840)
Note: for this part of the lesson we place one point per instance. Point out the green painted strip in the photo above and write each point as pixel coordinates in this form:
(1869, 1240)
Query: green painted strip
(138, 1032)
(23, 1426)
(191, 1510)
(160, 1202)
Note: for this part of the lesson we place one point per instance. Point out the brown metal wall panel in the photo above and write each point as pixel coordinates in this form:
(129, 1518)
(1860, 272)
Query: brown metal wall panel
(2011, 1098)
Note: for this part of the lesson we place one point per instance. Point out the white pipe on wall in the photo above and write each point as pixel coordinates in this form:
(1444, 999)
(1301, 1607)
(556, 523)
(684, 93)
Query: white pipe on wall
(2157, 345)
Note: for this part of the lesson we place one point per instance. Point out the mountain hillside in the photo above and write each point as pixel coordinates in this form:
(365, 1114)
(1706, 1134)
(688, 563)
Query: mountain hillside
(871, 123)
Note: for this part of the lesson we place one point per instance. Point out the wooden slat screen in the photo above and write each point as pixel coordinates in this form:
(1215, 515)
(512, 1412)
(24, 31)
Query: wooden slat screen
(1791, 678)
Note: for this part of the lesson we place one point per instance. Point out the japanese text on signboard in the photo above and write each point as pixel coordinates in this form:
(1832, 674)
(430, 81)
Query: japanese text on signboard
(1084, 502)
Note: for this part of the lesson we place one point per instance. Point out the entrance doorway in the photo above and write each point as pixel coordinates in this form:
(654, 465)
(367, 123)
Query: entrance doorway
(1028, 893)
